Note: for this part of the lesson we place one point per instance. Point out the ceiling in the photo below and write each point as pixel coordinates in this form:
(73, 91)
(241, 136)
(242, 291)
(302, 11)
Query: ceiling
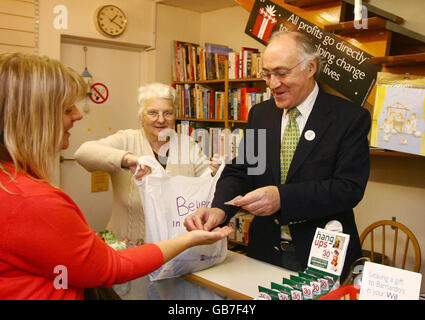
(200, 5)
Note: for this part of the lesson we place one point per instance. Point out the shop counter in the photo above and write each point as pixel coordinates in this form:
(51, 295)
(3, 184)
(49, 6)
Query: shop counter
(237, 277)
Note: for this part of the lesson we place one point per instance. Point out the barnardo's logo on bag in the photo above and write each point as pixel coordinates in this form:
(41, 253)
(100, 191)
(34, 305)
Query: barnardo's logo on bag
(204, 257)
(185, 207)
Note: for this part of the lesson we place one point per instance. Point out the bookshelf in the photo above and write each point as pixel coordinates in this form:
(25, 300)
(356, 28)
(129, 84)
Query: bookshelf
(225, 85)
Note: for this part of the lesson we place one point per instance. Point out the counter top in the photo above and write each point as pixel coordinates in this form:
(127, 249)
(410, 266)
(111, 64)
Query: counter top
(239, 276)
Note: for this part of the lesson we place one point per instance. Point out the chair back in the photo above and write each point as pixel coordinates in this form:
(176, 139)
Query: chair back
(388, 225)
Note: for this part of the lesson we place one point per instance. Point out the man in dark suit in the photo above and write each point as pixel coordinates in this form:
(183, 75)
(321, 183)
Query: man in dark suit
(326, 177)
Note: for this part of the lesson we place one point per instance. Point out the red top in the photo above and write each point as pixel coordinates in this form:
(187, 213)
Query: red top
(46, 244)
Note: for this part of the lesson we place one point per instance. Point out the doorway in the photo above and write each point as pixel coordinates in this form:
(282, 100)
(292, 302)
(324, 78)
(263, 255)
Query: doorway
(119, 71)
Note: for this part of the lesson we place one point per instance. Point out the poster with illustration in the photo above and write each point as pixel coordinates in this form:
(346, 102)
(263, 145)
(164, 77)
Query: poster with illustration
(399, 113)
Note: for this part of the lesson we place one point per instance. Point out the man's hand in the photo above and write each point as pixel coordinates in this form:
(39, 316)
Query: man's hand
(261, 202)
(204, 219)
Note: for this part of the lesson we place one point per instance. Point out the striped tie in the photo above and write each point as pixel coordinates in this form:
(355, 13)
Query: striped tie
(287, 149)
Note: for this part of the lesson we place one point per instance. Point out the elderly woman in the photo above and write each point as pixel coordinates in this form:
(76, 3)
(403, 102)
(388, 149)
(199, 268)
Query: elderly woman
(47, 249)
(118, 154)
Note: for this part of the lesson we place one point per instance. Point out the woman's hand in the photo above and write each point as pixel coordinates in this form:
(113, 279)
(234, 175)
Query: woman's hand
(130, 161)
(172, 247)
(201, 237)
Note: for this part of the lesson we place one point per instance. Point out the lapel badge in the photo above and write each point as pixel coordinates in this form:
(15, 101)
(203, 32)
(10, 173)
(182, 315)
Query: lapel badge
(309, 135)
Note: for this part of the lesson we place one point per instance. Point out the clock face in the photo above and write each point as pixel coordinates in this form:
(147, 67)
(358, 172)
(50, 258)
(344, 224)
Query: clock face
(111, 20)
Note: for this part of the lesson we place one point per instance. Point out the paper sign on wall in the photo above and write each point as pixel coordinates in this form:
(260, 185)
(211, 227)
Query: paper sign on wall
(328, 251)
(99, 181)
(381, 282)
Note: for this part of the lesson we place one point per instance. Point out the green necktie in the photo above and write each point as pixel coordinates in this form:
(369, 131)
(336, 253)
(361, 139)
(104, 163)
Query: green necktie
(290, 139)
(289, 143)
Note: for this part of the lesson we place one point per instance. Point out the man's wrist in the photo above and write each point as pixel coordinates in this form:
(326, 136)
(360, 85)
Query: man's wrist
(224, 215)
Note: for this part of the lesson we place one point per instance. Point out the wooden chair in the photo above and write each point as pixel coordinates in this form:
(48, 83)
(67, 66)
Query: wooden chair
(410, 237)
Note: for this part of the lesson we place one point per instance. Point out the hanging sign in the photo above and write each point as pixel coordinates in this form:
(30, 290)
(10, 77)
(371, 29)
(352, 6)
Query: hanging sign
(346, 68)
(99, 93)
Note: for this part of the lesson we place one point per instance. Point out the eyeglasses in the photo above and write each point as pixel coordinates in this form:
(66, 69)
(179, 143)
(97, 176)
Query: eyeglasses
(279, 74)
(154, 115)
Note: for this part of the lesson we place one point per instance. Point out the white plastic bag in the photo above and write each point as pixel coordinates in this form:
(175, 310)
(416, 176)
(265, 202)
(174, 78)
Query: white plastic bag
(166, 202)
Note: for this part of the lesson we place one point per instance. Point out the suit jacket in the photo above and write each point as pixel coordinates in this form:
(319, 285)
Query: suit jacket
(326, 179)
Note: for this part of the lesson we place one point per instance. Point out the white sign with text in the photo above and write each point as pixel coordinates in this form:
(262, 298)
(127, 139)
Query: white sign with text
(381, 282)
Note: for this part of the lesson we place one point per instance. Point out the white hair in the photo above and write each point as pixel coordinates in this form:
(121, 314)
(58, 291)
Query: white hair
(306, 47)
(155, 91)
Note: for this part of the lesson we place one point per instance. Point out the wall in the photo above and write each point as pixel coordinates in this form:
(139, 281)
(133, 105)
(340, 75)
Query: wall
(81, 22)
(227, 26)
(17, 26)
(173, 24)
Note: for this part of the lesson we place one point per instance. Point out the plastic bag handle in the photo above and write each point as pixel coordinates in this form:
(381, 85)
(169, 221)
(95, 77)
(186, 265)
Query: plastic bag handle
(150, 161)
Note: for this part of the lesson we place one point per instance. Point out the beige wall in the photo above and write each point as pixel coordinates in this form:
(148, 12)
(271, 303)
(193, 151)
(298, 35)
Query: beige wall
(17, 26)
(227, 26)
(173, 24)
(413, 11)
(81, 22)
(396, 187)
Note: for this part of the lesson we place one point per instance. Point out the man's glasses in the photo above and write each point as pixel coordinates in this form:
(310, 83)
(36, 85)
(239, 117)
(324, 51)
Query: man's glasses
(154, 115)
(279, 74)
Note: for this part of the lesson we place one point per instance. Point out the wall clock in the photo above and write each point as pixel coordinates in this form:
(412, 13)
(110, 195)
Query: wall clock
(110, 20)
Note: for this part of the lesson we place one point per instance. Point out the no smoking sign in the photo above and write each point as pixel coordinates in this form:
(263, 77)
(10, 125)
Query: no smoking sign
(99, 93)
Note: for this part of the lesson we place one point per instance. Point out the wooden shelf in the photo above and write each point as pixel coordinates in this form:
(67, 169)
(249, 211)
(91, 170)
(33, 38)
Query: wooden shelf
(308, 3)
(238, 121)
(347, 12)
(246, 80)
(200, 120)
(348, 27)
(220, 81)
(200, 81)
(400, 60)
(390, 153)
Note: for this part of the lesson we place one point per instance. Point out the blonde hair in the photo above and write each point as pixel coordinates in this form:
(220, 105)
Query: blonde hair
(155, 91)
(34, 91)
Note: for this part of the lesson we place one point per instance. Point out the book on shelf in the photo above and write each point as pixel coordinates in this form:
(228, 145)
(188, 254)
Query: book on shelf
(246, 61)
(247, 95)
(241, 222)
(192, 62)
(233, 67)
(240, 101)
(212, 140)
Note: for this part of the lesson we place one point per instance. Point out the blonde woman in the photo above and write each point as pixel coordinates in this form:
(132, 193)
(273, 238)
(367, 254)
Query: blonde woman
(43, 233)
(118, 154)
